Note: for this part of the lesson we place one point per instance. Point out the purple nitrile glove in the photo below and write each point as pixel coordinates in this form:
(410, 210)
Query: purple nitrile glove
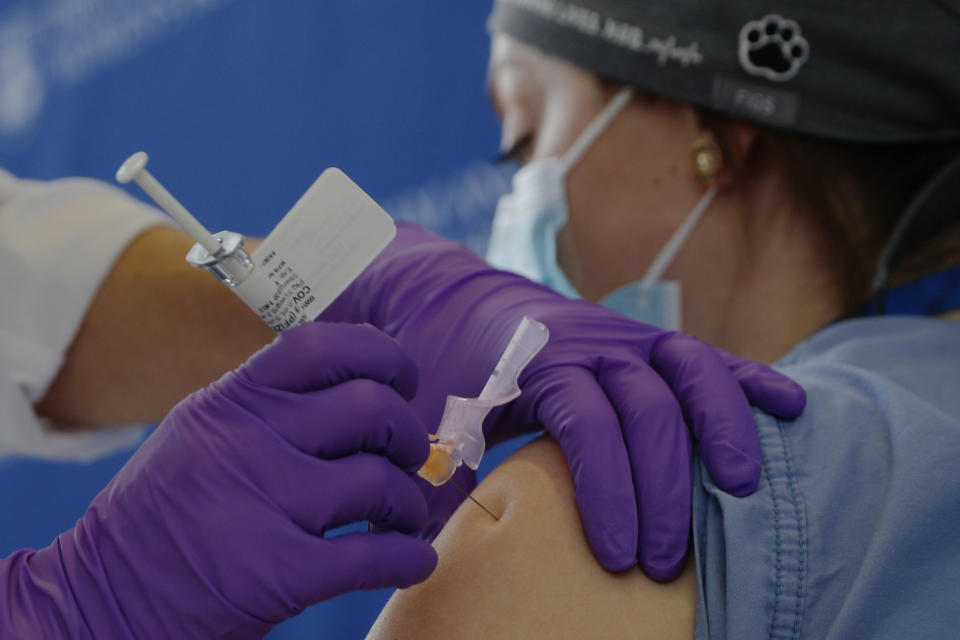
(617, 395)
(215, 527)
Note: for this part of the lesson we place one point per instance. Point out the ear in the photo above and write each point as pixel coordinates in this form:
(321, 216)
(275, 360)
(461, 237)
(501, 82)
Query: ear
(736, 140)
(740, 141)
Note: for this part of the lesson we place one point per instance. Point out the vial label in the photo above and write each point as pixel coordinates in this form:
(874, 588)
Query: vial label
(329, 236)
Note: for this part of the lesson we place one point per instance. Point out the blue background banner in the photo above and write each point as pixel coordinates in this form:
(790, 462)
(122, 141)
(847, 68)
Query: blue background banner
(241, 104)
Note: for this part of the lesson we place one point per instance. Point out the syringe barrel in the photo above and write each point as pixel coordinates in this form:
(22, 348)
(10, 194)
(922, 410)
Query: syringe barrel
(233, 266)
(230, 263)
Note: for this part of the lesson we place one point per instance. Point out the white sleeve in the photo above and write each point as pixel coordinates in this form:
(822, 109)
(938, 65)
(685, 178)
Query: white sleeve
(58, 241)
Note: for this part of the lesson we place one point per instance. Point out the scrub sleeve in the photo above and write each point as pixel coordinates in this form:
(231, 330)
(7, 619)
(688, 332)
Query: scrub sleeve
(58, 241)
(853, 530)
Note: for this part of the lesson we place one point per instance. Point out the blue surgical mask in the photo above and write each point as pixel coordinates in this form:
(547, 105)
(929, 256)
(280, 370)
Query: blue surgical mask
(527, 220)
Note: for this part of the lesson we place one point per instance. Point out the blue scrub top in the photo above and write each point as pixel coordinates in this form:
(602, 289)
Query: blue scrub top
(855, 529)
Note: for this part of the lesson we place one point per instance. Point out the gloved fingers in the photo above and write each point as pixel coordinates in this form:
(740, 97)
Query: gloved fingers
(659, 448)
(367, 561)
(442, 501)
(573, 408)
(318, 355)
(326, 494)
(715, 408)
(767, 388)
(356, 415)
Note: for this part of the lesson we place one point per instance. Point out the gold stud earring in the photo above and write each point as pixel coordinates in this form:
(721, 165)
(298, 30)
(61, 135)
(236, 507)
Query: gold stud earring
(706, 160)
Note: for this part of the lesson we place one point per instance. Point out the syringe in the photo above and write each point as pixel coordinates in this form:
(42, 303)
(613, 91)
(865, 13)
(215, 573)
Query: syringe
(321, 245)
(222, 253)
(459, 439)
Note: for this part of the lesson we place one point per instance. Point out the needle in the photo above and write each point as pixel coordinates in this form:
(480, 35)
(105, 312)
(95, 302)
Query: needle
(459, 488)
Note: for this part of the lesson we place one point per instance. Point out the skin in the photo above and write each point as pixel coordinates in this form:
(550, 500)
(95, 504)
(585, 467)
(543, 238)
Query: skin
(531, 574)
(755, 255)
(135, 354)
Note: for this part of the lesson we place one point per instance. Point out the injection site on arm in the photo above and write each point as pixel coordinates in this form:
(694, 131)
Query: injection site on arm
(531, 574)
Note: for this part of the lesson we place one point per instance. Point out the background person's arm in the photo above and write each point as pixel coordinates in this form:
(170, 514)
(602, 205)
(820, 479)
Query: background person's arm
(156, 330)
(531, 574)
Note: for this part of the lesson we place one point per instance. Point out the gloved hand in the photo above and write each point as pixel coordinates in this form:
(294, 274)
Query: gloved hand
(215, 527)
(623, 399)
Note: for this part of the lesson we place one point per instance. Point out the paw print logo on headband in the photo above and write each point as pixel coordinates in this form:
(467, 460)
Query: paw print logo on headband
(773, 48)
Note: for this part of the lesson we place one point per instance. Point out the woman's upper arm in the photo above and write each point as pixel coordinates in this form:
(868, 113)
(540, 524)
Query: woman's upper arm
(531, 574)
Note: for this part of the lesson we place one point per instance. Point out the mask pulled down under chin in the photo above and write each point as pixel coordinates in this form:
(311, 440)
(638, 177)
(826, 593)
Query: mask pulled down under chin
(523, 240)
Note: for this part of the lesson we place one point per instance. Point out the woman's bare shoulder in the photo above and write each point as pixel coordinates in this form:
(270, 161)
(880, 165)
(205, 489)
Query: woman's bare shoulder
(531, 574)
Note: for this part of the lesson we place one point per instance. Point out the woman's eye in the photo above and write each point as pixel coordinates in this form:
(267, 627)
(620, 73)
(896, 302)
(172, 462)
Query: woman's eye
(518, 152)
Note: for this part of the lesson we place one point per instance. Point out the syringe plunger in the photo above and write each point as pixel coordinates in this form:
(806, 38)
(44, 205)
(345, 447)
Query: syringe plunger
(135, 169)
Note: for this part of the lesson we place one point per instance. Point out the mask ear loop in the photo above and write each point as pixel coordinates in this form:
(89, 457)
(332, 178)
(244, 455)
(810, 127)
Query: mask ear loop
(707, 163)
(666, 256)
(589, 135)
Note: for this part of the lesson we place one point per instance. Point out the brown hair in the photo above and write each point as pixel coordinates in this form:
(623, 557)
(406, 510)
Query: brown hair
(856, 194)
